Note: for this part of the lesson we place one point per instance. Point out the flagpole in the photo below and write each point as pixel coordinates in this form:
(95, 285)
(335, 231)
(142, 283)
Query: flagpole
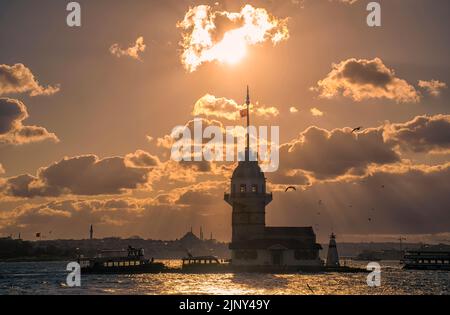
(247, 152)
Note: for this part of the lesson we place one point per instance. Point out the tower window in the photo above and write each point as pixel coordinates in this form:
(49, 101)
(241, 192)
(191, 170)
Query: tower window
(243, 188)
(254, 188)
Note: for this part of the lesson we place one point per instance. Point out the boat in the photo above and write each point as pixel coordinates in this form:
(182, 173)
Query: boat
(426, 259)
(369, 255)
(204, 264)
(129, 261)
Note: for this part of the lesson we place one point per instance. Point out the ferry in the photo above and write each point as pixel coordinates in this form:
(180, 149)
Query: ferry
(204, 264)
(129, 261)
(426, 260)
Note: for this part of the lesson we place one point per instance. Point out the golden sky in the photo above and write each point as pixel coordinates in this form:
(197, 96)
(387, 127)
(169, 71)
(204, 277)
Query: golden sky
(86, 114)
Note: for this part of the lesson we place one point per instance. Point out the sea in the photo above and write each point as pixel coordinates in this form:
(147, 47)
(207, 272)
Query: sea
(49, 278)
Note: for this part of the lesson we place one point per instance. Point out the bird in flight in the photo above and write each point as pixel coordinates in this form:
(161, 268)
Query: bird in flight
(290, 187)
(356, 129)
(310, 289)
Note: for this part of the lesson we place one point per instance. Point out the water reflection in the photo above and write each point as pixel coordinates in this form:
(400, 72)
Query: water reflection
(49, 278)
(256, 281)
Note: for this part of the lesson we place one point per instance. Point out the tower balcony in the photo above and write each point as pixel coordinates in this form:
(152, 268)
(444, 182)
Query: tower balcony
(242, 196)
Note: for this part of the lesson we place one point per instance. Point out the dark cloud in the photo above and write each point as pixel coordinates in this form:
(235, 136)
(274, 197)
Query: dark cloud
(68, 217)
(199, 166)
(197, 198)
(81, 175)
(12, 114)
(398, 201)
(363, 79)
(330, 154)
(421, 134)
(19, 79)
(119, 217)
(284, 177)
(25, 186)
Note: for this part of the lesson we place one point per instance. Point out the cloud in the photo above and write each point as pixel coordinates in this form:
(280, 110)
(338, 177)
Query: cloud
(413, 201)
(362, 79)
(141, 158)
(278, 180)
(221, 107)
(79, 175)
(433, 87)
(339, 154)
(410, 200)
(132, 51)
(223, 36)
(197, 198)
(166, 215)
(12, 131)
(168, 140)
(421, 134)
(19, 79)
(316, 112)
(68, 217)
(2, 169)
(293, 110)
(330, 154)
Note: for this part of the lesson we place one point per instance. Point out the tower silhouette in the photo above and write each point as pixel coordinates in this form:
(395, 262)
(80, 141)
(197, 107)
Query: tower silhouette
(248, 196)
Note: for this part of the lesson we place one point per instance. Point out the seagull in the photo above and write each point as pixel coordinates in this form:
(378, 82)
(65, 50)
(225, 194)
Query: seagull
(356, 129)
(310, 288)
(290, 187)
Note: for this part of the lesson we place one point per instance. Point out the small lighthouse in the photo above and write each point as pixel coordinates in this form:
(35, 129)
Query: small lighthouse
(332, 256)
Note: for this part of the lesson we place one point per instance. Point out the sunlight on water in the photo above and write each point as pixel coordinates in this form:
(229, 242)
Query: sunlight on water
(49, 278)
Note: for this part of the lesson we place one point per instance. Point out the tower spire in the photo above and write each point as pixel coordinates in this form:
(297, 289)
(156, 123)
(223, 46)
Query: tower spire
(247, 102)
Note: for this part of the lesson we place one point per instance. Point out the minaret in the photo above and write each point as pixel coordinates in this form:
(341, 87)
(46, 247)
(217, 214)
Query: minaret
(332, 256)
(91, 232)
(248, 196)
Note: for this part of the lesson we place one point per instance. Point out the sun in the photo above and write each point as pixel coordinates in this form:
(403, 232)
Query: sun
(231, 49)
(205, 40)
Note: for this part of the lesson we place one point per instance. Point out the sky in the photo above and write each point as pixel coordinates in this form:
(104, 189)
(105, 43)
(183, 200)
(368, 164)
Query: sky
(86, 115)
